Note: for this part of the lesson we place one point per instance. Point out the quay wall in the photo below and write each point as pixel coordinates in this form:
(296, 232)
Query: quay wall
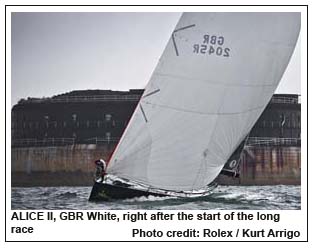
(268, 165)
(272, 165)
(73, 165)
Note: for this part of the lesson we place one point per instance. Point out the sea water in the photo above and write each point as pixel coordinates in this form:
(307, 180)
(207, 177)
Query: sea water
(280, 197)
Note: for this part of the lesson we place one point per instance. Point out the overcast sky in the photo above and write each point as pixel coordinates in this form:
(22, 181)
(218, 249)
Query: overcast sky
(53, 53)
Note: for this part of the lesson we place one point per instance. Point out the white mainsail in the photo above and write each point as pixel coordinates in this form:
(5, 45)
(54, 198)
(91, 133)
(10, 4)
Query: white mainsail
(214, 79)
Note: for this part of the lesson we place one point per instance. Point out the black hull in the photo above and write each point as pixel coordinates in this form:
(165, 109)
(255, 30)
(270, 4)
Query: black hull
(107, 192)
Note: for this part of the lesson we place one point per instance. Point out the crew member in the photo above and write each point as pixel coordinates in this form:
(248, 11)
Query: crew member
(100, 169)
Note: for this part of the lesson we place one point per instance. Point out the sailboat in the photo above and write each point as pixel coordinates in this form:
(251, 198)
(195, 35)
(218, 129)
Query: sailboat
(214, 79)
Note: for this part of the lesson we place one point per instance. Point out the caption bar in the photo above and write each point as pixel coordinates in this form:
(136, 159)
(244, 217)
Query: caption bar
(157, 225)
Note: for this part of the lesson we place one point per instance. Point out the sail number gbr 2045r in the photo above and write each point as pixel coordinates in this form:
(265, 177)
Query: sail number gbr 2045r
(212, 45)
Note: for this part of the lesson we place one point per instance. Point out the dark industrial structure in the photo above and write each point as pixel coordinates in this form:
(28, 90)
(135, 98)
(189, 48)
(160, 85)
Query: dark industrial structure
(75, 117)
(281, 118)
(84, 117)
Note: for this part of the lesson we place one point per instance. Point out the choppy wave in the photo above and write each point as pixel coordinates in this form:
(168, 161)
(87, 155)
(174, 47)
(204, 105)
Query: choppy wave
(280, 197)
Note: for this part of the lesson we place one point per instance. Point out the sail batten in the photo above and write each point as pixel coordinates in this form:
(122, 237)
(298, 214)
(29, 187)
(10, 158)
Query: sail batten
(214, 79)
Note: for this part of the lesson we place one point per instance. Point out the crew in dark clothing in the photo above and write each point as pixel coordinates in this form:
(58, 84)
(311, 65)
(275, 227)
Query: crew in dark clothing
(100, 170)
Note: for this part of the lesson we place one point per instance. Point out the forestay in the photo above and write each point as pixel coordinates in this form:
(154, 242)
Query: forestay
(215, 77)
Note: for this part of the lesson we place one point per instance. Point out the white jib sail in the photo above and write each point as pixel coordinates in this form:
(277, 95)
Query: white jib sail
(214, 79)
